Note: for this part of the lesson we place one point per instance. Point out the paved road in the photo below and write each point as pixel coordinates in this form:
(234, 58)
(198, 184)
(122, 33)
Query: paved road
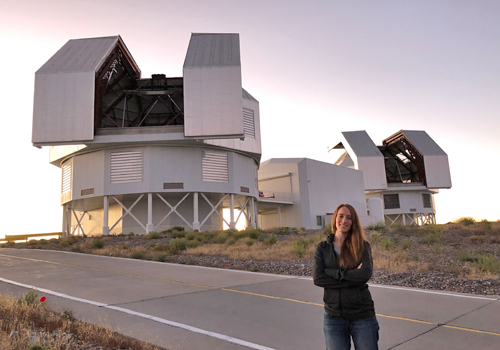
(191, 307)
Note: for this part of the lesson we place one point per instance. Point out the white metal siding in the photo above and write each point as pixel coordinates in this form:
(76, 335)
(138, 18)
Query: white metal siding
(248, 122)
(126, 166)
(215, 167)
(66, 177)
(256, 169)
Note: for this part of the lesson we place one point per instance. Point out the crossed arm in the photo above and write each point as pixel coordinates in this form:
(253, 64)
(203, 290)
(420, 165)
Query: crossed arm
(338, 278)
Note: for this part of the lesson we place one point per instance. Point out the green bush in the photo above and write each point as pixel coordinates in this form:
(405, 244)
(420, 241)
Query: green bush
(249, 241)
(177, 234)
(487, 263)
(177, 244)
(299, 246)
(485, 224)
(406, 244)
(137, 253)
(67, 241)
(38, 347)
(252, 233)
(477, 239)
(221, 237)
(29, 298)
(177, 228)
(161, 257)
(386, 243)
(68, 314)
(465, 220)
(97, 243)
(190, 236)
(272, 239)
(378, 226)
(154, 235)
(280, 230)
(193, 244)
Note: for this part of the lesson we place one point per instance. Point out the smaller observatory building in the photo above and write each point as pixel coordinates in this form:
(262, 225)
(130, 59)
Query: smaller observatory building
(146, 154)
(405, 173)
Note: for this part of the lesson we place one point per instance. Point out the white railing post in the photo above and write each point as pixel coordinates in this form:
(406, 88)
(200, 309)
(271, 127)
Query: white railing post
(105, 226)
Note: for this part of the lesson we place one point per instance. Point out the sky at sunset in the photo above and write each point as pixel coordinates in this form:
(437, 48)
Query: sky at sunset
(316, 67)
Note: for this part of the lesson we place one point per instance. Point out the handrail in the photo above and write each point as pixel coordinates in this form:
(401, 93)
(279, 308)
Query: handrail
(13, 238)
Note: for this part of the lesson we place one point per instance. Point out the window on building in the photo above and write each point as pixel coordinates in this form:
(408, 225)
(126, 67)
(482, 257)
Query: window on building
(319, 220)
(391, 201)
(426, 199)
(66, 177)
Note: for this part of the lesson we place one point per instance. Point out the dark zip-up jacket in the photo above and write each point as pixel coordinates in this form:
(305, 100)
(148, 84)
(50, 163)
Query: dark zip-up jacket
(346, 293)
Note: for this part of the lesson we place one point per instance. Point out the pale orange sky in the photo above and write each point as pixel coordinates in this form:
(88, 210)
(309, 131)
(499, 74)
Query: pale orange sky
(317, 68)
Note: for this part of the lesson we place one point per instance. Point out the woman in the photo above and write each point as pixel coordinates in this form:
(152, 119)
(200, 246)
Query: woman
(342, 266)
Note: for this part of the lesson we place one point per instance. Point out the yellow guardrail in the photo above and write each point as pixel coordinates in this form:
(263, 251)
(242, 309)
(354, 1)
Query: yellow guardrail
(13, 238)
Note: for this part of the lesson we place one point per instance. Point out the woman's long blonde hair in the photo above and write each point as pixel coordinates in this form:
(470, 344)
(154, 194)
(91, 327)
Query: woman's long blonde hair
(352, 248)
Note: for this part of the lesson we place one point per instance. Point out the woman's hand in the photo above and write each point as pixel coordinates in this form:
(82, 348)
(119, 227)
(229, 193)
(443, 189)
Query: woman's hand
(360, 266)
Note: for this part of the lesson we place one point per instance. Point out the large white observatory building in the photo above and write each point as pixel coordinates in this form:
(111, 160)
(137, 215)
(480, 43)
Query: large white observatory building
(145, 154)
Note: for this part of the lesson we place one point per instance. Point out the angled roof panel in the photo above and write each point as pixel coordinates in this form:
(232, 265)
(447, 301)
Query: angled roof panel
(361, 144)
(424, 143)
(248, 96)
(213, 50)
(79, 55)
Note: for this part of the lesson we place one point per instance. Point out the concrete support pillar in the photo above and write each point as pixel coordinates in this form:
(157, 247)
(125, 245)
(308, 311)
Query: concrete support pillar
(196, 222)
(404, 219)
(149, 225)
(232, 224)
(253, 216)
(105, 227)
(65, 225)
(279, 216)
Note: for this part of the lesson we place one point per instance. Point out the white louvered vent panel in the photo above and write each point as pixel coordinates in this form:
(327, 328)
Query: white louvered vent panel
(248, 122)
(66, 178)
(126, 166)
(215, 167)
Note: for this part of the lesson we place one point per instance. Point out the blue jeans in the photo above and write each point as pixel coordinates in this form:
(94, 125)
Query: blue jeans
(338, 333)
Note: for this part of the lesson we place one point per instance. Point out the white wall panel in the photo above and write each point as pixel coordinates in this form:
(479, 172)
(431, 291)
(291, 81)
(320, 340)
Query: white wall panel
(63, 108)
(437, 171)
(213, 104)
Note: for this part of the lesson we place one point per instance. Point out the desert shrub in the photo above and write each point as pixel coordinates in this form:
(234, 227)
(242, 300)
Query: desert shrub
(299, 246)
(301, 230)
(161, 248)
(221, 237)
(249, 241)
(67, 241)
(327, 230)
(97, 243)
(378, 226)
(38, 347)
(29, 298)
(465, 220)
(131, 234)
(406, 244)
(177, 234)
(193, 244)
(466, 255)
(68, 315)
(477, 239)
(386, 243)
(161, 257)
(190, 236)
(154, 235)
(485, 224)
(487, 263)
(151, 245)
(375, 237)
(177, 244)
(76, 249)
(272, 239)
(253, 233)
(232, 240)
(284, 230)
(438, 248)
(434, 234)
(177, 228)
(138, 253)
